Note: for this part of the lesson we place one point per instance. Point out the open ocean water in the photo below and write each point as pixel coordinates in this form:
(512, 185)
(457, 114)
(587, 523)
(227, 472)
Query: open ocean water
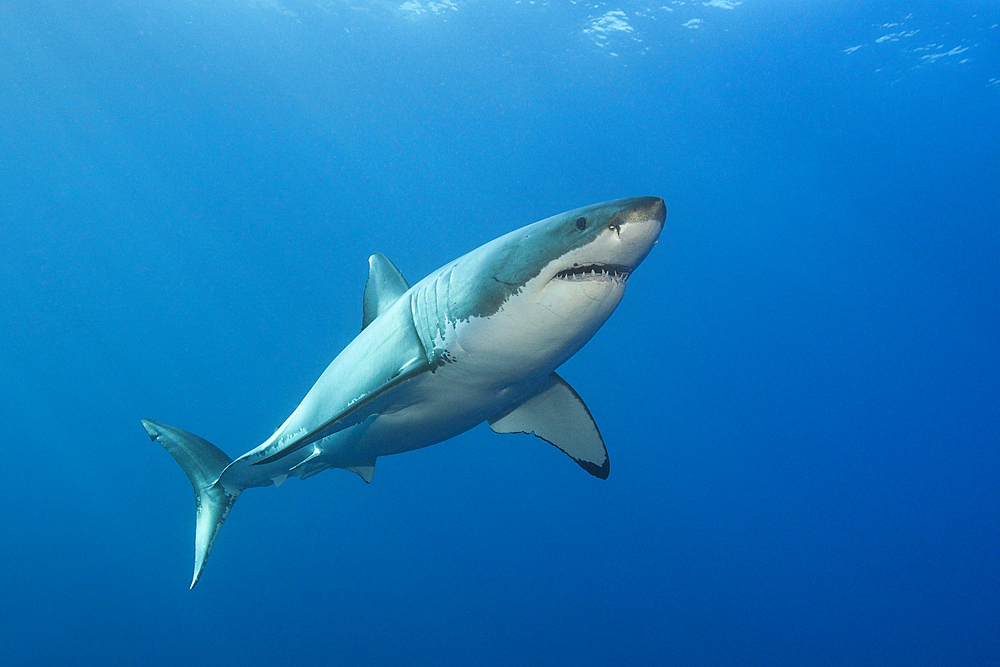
(800, 392)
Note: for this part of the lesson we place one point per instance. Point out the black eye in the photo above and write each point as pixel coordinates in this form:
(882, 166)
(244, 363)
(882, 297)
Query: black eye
(581, 223)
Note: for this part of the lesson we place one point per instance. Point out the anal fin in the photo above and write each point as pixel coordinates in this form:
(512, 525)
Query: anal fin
(365, 472)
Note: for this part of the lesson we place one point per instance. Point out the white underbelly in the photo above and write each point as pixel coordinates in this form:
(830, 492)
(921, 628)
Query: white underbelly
(439, 406)
(491, 363)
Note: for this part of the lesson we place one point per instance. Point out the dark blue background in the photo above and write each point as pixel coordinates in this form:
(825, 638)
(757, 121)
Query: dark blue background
(799, 393)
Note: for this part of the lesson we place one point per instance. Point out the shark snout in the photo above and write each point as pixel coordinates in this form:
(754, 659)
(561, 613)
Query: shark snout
(659, 211)
(652, 209)
(645, 215)
(637, 228)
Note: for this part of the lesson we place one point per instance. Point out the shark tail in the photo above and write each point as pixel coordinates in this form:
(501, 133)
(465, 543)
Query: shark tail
(204, 464)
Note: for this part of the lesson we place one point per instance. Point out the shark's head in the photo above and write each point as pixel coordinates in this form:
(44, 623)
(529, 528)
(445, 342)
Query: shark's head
(551, 285)
(598, 245)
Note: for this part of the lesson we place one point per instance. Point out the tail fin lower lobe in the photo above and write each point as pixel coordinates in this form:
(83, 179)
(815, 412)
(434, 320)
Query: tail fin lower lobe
(203, 463)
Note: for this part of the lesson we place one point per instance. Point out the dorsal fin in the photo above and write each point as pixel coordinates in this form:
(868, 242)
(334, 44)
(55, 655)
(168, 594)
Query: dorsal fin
(385, 285)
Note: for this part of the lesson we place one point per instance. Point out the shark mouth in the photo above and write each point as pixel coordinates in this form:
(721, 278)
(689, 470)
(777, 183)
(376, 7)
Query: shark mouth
(596, 272)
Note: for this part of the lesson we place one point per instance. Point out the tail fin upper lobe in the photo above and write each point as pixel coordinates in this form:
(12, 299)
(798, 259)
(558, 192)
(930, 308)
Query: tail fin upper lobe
(204, 464)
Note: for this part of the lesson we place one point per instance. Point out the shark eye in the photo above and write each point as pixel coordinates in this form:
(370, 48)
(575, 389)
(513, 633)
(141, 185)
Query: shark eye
(581, 223)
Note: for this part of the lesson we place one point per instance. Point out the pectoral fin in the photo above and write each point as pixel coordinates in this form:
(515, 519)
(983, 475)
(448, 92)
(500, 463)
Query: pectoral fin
(559, 416)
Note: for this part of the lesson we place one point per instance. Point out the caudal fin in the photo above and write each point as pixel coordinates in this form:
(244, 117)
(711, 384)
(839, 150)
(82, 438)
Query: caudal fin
(203, 463)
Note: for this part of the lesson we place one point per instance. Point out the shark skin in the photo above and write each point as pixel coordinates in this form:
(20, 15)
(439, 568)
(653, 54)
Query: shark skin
(478, 340)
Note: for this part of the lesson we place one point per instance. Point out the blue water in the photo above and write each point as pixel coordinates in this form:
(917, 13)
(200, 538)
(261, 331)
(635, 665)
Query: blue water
(800, 392)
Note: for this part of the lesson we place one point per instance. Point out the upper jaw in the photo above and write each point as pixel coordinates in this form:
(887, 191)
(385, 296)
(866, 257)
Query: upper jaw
(595, 272)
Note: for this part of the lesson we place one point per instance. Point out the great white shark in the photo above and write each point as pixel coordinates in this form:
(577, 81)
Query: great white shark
(477, 340)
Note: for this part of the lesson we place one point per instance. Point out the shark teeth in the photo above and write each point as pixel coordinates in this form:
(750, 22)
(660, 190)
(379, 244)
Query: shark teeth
(596, 272)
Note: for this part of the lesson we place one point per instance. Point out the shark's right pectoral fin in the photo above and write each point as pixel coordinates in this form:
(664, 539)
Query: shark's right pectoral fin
(559, 416)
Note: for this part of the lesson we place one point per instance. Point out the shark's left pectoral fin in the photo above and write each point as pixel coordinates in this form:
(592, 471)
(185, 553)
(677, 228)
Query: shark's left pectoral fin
(559, 416)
